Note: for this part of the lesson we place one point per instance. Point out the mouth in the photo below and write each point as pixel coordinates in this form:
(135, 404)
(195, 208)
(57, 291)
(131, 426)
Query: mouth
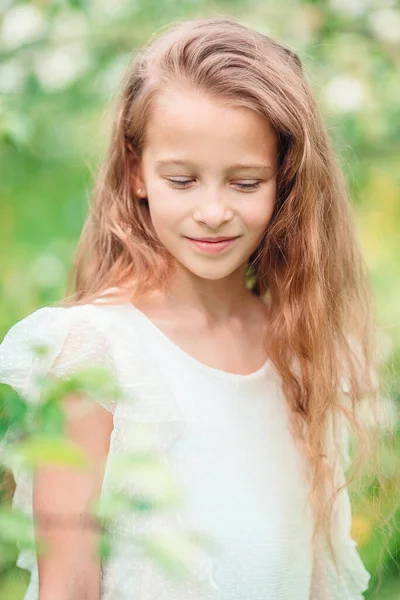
(210, 239)
(212, 245)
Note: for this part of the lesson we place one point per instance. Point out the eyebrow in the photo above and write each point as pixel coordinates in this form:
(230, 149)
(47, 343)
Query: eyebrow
(242, 166)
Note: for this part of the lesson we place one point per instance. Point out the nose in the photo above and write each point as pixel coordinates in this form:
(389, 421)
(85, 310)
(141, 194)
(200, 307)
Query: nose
(214, 209)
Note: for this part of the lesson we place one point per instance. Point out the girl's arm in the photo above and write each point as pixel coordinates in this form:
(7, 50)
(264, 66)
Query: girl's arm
(74, 337)
(71, 567)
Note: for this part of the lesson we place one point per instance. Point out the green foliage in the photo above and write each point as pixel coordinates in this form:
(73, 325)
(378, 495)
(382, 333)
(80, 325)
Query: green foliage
(58, 75)
(35, 436)
(176, 553)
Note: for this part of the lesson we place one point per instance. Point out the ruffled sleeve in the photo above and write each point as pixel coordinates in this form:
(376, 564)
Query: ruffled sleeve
(353, 577)
(73, 338)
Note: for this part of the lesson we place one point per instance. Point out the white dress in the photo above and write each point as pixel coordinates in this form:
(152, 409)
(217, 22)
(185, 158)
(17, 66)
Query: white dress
(227, 440)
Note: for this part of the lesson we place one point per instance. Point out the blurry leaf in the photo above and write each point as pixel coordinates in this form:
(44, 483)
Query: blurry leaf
(361, 529)
(48, 450)
(170, 550)
(4, 426)
(15, 408)
(8, 554)
(104, 546)
(13, 580)
(16, 128)
(114, 504)
(15, 525)
(95, 382)
(40, 350)
(152, 480)
(77, 4)
(52, 419)
(178, 552)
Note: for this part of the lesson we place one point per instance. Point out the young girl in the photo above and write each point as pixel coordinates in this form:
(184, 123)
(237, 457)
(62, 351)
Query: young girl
(218, 276)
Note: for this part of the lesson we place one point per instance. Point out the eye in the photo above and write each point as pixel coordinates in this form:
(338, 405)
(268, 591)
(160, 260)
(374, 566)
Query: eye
(249, 186)
(178, 182)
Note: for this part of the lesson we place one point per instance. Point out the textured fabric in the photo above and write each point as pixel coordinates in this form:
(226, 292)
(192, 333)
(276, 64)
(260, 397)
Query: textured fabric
(225, 437)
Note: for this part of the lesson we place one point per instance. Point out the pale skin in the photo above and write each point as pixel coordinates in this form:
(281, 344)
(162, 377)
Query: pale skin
(208, 311)
(71, 568)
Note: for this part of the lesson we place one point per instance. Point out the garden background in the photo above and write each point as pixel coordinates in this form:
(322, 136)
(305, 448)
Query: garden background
(60, 66)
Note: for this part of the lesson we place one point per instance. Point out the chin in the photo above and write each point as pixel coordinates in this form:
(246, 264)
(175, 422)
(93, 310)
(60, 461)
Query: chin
(212, 272)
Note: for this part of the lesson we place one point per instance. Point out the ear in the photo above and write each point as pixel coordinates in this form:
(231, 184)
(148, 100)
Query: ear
(136, 167)
(138, 184)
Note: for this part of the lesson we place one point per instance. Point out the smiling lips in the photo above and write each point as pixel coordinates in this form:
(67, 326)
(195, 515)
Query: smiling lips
(210, 239)
(212, 245)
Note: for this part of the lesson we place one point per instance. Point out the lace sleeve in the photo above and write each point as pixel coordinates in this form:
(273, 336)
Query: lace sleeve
(72, 339)
(353, 577)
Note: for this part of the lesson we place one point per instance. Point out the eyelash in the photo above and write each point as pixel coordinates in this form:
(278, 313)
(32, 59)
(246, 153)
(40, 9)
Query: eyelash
(182, 184)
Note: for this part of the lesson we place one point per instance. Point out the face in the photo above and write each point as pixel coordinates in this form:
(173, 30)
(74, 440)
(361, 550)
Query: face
(208, 171)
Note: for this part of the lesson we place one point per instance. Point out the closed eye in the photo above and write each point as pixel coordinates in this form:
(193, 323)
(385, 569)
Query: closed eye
(249, 186)
(178, 183)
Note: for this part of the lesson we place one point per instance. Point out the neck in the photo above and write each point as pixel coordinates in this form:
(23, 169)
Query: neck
(213, 301)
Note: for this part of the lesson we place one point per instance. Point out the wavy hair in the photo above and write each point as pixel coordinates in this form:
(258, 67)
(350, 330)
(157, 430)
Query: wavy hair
(308, 267)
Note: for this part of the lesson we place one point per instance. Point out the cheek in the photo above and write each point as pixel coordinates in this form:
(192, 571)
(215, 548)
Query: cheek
(166, 212)
(258, 214)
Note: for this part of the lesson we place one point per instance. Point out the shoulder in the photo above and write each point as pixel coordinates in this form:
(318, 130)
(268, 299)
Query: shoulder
(50, 321)
(57, 339)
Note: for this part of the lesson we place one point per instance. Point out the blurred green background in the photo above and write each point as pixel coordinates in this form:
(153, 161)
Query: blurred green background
(60, 66)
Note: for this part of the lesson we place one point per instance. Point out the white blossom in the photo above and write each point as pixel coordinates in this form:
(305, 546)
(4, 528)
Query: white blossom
(353, 8)
(69, 25)
(12, 76)
(21, 25)
(345, 94)
(47, 270)
(385, 23)
(57, 68)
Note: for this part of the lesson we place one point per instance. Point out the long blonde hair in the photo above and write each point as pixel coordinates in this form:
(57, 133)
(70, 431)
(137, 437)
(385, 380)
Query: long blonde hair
(307, 268)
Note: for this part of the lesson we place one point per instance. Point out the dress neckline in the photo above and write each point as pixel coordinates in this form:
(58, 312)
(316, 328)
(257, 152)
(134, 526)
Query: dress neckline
(207, 369)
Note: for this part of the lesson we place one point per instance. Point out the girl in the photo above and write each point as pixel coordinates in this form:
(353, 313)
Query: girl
(218, 276)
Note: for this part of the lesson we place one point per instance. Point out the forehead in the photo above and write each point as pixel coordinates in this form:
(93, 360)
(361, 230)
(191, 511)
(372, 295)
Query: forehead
(192, 124)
